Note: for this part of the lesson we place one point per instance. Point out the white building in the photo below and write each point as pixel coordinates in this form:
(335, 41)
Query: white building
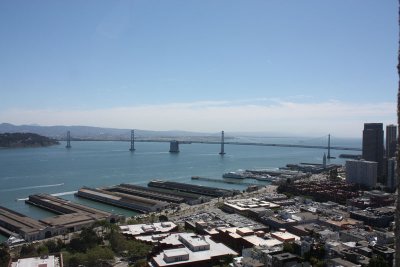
(362, 172)
(193, 250)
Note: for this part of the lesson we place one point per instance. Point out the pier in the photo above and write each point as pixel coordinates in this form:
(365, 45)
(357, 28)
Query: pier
(144, 192)
(28, 228)
(190, 188)
(222, 181)
(122, 200)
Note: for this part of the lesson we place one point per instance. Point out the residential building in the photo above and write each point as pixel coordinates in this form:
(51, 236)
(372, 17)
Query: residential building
(362, 172)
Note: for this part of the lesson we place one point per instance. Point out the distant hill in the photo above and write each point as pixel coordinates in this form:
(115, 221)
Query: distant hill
(98, 133)
(13, 140)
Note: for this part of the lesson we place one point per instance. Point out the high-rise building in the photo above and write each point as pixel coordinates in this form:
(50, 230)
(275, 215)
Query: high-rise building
(361, 172)
(372, 145)
(391, 140)
(391, 181)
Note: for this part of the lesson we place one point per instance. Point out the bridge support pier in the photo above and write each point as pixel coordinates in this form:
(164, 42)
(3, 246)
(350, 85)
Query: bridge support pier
(222, 144)
(132, 141)
(174, 147)
(68, 140)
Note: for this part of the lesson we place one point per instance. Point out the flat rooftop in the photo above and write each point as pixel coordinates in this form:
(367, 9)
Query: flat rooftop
(48, 261)
(61, 205)
(216, 249)
(20, 221)
(143, 229)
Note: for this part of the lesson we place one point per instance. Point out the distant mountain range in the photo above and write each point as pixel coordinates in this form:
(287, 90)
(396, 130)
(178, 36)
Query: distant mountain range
(98, 133)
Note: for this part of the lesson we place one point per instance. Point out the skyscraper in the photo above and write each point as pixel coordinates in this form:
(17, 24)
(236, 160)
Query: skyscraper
(391, 140)
(372, 145)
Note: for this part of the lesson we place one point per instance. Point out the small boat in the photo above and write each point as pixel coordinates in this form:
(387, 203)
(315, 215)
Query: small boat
(235, 175)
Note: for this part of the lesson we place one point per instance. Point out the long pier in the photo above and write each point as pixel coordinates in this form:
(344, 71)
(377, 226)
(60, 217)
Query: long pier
(222, 181)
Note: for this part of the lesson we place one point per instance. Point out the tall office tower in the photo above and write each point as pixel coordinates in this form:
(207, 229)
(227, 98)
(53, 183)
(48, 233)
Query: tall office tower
(391, 181)
(391, 140)
(372, 146)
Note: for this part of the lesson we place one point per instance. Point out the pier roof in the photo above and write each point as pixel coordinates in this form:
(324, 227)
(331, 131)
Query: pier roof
(20, 221)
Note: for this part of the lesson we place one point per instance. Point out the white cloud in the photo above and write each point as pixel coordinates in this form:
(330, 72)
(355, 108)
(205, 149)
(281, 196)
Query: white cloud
(265, 115)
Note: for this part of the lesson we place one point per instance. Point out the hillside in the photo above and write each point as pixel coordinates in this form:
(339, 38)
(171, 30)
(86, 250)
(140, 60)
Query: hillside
(13, 140)
(99, 133)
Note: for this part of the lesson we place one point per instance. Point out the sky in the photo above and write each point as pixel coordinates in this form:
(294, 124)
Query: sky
(307, 67)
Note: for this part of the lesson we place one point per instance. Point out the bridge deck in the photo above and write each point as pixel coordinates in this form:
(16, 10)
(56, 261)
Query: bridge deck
(253, 144)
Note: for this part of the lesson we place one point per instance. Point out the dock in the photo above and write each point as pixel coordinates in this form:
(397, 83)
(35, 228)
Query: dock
(145, 192)
(122, 200)
(28, 228)
(190, 188)
(222, 181)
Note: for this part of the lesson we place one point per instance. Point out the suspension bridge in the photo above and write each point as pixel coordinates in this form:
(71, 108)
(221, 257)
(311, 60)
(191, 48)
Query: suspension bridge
(174, 144)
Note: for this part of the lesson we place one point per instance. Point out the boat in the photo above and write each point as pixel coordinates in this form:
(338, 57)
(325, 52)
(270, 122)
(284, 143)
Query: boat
(234, 175)
(14, 240)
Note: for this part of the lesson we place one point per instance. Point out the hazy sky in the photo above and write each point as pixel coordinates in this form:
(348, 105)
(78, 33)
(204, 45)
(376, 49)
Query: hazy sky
(291, 66)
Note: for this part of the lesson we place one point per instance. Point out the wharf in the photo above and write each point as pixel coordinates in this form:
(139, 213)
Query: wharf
(190, 198)
(26, 227)
(72, 216)
(62, 206)
(273, 172)
(222, 181)
(123, 200)
(197, 189)
(145, 192)
(6, 232)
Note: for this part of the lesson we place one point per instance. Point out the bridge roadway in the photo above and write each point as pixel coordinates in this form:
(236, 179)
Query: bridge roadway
(251, 144)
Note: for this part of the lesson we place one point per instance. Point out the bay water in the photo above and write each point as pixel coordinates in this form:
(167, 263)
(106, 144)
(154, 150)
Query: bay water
(60, 171)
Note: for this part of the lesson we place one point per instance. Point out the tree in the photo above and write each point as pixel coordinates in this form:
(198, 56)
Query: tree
(288, 247)
(42, 250)
(378, 262)
(97, 255)
(28, 251)
(141, 263)
(4, 256)
(52, 246)
(118, 243)
(163, 218)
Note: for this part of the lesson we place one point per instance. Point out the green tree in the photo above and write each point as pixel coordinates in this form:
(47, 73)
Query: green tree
(52, 246)
(141, 263)
(118, 242)
(288, 247)
(42, 250)
(86, 240)
(97, 255)
(28, 250)
(4, 256)
(138, 250)
(76, 260)
(163, 218)
(378, 261)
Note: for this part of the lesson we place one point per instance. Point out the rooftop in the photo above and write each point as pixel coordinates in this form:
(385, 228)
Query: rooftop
(186, 255)
(143, 229)
(46, 261)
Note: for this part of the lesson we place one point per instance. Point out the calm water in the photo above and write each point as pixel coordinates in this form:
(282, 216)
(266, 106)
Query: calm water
(58, 170)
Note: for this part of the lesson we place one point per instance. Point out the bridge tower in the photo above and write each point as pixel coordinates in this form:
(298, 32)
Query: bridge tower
(132, 141)
(329, 147)
(68, 140)
(222, 144)
(174, 147)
